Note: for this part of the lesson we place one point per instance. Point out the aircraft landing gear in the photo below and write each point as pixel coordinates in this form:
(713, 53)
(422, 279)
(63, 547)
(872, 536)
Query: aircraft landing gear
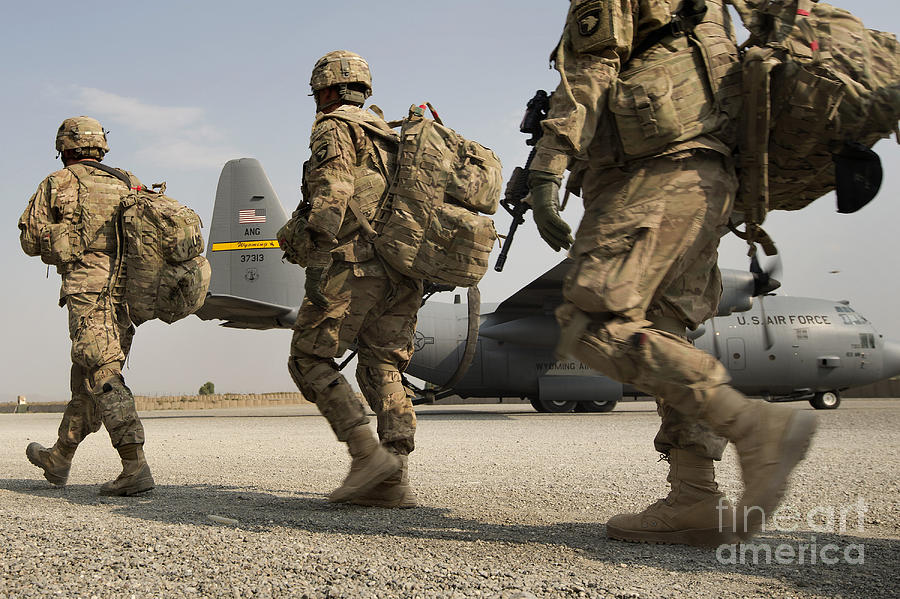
(555, 407)
(537, 405)
(595, 406)
(826, 400)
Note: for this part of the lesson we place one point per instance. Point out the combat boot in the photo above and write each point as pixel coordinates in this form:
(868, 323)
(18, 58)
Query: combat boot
(770, 441)
(695, 512)
(55, 462)
(392, 492)
(371, 464)
(135, 477)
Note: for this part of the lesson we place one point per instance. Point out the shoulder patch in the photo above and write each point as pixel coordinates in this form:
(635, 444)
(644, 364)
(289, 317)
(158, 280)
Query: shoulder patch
(589, 23)
(587, 16)
(324, 145)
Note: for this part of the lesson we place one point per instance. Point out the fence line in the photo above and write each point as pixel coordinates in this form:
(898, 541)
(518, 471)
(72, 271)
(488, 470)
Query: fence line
(181, 402)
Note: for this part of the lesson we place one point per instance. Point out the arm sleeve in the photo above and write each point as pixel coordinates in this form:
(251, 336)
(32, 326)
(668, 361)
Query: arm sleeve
(38, 213)
(329, 183)
(589, 57)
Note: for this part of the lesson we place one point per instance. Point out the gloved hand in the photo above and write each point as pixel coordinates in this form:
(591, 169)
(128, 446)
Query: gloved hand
(544, 198)
(313, 286)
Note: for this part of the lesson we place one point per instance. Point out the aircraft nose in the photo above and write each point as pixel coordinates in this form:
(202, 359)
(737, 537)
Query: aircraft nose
(891, 359)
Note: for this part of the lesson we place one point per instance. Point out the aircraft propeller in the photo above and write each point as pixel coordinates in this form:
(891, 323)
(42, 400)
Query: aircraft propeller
(765, 282)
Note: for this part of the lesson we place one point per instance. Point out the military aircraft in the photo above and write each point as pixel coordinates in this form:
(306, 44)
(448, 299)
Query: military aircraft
(781, 348)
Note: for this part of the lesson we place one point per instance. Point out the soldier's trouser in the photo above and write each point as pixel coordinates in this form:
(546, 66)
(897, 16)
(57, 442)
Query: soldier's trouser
(645, 270)
(380, 317)
(101, 335)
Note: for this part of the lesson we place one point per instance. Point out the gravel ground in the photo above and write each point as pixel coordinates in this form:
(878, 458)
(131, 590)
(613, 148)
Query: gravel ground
(512, 507)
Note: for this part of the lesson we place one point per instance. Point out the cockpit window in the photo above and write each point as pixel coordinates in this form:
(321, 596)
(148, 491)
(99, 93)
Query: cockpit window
(850, 316)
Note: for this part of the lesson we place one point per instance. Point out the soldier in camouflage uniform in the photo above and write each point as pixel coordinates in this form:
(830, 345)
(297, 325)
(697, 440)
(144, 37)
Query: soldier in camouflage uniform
(644, 120)
(351, 295)
(70, 222)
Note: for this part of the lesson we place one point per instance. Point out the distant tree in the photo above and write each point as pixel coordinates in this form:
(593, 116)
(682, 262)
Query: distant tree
(208, 388)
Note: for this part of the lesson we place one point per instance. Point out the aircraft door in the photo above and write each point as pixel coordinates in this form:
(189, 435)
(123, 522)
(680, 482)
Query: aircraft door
(737, 354)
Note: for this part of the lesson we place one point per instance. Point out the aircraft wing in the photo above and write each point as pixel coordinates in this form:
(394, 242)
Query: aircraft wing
(543, 294)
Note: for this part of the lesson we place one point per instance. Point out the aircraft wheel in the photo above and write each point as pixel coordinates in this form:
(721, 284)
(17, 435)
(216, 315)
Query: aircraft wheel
(555, 407)
(595, 406)
(537, 405)
(827, 400)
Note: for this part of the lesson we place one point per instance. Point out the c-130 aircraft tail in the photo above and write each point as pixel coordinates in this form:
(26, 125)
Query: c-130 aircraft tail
(251, 288)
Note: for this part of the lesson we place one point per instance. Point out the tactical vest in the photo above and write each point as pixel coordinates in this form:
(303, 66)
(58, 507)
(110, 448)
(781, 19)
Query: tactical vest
(99, 195)
(677, 85)
(86, 222)
(370, 179)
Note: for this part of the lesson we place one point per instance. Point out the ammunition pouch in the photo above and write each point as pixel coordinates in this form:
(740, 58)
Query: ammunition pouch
(61, 244)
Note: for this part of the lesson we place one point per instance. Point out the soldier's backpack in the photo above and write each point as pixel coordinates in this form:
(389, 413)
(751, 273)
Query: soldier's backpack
(432, 222)
(820, 90)
(166, 275)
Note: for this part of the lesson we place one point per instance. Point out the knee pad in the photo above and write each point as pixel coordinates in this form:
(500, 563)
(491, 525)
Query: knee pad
(313, 376)
(107, 377)
(602, 341)
(379, 383)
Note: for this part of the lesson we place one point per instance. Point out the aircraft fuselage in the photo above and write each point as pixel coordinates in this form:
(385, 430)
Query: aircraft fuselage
(813, 345)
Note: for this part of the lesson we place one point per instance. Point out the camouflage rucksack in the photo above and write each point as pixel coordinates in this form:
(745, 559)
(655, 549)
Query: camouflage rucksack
(166, 276)
(432, 223)
(820, 90)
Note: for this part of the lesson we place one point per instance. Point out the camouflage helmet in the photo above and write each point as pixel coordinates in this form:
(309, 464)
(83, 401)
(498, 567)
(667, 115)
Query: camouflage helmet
(81, 132)
(342, 68)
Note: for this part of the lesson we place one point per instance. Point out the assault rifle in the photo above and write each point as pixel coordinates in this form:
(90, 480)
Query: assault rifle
(517, 188)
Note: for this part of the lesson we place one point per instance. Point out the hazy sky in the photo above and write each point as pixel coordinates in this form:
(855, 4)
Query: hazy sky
(185, 86)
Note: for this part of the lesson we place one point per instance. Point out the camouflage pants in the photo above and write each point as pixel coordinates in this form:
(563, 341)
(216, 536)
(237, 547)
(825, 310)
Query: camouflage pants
(645, 270)
(101, 335)
(366, 308)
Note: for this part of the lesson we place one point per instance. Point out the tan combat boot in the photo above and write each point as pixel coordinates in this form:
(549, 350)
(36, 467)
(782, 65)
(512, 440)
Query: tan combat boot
(392, 492)
(55, 461)
(135, 477)
(770, 440)
(694, 513)
(371, 464)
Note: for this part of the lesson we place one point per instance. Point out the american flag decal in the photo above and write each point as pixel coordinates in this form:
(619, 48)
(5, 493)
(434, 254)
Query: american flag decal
(253, 215)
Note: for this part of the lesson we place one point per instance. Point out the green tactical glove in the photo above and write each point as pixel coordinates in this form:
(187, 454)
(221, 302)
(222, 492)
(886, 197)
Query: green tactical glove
(544, 197)
(313, 286)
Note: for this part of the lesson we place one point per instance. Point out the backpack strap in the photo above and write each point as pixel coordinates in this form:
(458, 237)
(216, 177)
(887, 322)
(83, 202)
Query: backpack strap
(111, 171)
(384, 133)
(364, 223)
